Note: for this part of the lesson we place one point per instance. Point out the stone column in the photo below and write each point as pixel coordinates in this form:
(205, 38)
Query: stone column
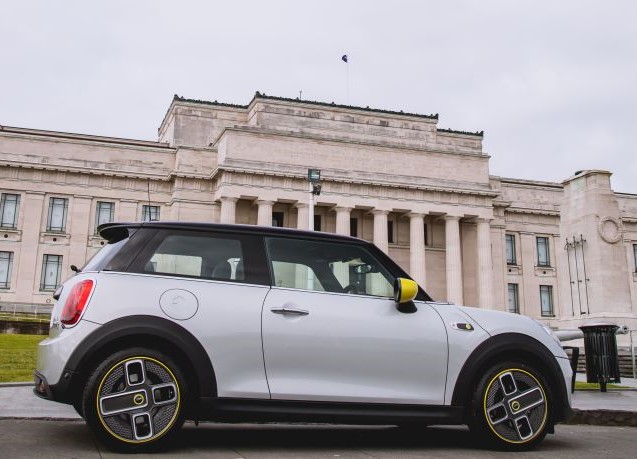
(264, 213)
(380, 230)
(417, 248)
(228, 210)
(485, 265)
(342, 220)
(302, 216)
(29, 263)
(341, 270)
(453, 260)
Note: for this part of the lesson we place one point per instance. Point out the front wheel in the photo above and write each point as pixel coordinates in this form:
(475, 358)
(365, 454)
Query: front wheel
(134, 400)
(511, 407)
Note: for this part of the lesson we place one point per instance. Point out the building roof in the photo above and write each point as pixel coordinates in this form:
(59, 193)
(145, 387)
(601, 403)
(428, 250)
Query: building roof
(259, 95)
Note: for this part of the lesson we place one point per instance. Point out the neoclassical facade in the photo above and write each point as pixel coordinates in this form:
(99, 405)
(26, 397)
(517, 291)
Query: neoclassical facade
(564, 253)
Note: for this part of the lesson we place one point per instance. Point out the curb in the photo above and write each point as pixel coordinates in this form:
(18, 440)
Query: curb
(603, 418)
(16, 384)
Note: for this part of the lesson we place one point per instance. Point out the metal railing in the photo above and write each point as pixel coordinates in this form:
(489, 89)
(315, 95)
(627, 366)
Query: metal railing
(632, 352)
(41, 312)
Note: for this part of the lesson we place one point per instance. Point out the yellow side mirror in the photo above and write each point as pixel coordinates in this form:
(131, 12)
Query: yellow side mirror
(405, 290)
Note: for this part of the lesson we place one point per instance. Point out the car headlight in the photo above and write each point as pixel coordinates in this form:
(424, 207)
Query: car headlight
(549, 332)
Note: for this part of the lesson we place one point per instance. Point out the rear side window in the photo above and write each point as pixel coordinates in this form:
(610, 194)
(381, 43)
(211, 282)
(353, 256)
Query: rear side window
(202, 255)
(104, 256)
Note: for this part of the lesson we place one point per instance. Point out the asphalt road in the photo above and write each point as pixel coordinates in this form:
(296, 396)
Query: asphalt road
(51, 439)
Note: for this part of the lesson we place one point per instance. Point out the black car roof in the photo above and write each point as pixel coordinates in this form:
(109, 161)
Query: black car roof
(119, 230)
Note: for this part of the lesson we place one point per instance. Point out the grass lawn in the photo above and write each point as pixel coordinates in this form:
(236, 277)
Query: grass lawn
(17, 357)
(580, 385)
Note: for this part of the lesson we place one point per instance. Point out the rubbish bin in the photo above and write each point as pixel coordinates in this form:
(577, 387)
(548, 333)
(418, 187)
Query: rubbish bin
(600, 345)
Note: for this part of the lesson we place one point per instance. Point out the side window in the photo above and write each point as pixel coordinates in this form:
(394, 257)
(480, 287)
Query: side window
(192, 254)
(327, 266)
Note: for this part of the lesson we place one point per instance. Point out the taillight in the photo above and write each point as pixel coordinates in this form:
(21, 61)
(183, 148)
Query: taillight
(76, 302)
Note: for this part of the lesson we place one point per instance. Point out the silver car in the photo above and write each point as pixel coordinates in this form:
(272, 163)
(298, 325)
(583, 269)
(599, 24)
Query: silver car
(176, 321)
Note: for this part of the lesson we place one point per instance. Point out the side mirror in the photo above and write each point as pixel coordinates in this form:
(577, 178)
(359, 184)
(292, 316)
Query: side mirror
(405, 290)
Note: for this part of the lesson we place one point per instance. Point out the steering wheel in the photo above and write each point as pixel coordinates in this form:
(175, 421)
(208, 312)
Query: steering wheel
(351, 288)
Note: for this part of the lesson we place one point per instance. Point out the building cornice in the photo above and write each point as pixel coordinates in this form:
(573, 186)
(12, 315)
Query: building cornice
(321, 138)
(529, 211)
(335, 177)
(523, 183)
(12, 131)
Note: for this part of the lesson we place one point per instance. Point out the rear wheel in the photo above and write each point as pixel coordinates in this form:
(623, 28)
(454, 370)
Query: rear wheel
(511, 407)
(134, 400)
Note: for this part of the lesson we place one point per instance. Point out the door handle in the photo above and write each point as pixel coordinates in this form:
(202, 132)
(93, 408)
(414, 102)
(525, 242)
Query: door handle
(290, 311)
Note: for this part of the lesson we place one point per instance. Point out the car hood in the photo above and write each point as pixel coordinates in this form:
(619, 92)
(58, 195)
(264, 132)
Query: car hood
(498, 322)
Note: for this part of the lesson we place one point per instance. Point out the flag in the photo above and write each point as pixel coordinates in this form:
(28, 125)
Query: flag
(344, 58)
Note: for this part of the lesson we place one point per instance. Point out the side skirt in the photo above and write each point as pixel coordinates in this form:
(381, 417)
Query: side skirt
(258, 410)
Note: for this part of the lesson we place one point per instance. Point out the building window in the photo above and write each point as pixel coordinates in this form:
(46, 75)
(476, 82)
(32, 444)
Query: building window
(543, 258)
(277, 219)
(546, 300)
(635, 253)
(353, 227)
(317, 223)
(390, 231)
(514, 303)
(6, 261)
(510, 249)
(9, 204)
(150, 213)
(104, 213)
(426, 234)
(56, 221)
(51, 270)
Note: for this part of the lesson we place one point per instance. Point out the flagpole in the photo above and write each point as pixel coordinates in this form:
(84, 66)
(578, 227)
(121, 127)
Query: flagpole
(347, 65)
(345, 59)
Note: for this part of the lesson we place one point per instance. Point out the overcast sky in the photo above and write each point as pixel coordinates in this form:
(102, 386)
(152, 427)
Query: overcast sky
(553, 83)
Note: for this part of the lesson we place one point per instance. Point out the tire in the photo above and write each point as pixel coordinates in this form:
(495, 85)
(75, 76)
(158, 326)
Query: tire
(511, 407)
(134, 400)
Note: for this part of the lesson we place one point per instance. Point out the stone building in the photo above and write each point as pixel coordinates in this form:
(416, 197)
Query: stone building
(560, 252)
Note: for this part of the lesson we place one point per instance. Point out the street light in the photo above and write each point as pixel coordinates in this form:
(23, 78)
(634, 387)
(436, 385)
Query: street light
(313, 178)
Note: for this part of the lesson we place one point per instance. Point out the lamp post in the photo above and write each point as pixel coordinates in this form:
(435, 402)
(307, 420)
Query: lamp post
(313, 178)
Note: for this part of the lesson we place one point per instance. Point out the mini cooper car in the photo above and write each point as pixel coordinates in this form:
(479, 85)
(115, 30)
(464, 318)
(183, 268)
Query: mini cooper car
(177, 321)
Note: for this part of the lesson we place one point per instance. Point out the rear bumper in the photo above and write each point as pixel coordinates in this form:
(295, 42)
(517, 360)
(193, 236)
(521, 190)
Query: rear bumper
(60, 392)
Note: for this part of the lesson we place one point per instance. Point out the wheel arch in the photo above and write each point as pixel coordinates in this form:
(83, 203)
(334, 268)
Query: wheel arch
(145, 331)
(511, 347)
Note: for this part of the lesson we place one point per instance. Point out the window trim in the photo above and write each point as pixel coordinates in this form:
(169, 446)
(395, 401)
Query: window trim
(45, 258)
(391, 231)
(353, 225)
(514, 258)
(6, 284)
(97, 214)
(65, 210)
(150, 207)
(549, 290)
(516, 291)
(548, 252)
(16, 210)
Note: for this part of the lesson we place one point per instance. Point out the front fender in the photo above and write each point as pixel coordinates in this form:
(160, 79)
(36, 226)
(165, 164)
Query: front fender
(512, 346)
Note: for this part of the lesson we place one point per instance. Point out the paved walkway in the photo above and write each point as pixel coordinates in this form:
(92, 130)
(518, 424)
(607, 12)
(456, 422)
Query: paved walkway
(615, 407)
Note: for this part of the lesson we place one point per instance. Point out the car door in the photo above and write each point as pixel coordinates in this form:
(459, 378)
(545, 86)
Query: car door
(332, 332)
